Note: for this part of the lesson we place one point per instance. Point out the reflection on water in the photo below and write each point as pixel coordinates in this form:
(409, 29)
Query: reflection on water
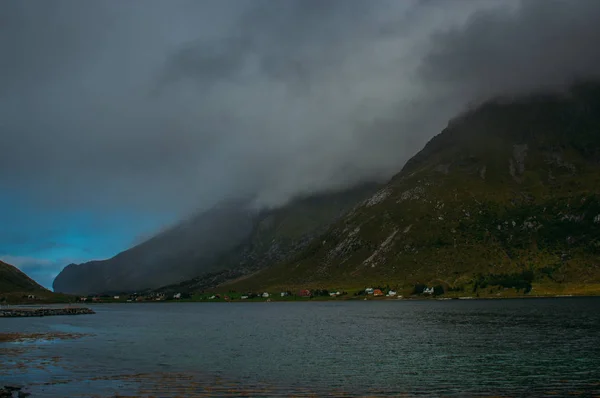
(533, 347)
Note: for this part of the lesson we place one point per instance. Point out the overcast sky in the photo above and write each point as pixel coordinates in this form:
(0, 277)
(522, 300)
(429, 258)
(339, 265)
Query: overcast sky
(119, 117)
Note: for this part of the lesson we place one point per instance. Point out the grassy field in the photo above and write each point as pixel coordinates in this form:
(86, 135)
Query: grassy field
(41, 298)
(406, 293)
(494, 291)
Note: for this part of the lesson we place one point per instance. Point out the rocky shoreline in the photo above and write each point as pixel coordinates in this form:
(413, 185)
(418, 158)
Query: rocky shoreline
(24, 312)
(13, 391)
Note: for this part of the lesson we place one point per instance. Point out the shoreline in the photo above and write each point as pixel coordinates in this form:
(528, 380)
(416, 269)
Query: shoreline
(46, 309)
(466, 298)
(326, 299)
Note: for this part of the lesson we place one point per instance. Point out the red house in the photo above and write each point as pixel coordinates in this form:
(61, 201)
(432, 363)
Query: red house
(304, 293)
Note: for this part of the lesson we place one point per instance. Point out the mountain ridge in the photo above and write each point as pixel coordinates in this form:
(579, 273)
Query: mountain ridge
(507, 192)
(227, 239)
(505, 197)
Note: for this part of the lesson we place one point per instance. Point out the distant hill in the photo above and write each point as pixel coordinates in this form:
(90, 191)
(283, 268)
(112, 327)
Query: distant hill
(225, 242)
(506, 197)
(178, 253)
(12, 280)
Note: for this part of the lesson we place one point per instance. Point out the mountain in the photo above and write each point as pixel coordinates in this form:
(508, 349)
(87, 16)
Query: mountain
(225, 242)
(170, 256)
(507, 197)
(12, 280)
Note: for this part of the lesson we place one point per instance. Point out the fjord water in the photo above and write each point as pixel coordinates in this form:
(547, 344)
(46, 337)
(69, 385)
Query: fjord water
(517, 347)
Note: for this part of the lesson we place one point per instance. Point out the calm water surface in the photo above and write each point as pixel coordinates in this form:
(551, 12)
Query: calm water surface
(520, 347)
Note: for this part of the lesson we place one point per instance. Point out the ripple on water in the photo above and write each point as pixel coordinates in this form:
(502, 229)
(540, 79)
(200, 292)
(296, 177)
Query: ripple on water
(450, 348)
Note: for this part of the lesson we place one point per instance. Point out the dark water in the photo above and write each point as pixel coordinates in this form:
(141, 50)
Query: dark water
(529, 347)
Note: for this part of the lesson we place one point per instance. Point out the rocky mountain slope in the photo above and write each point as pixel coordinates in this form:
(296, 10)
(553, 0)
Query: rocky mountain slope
(13, 280)
(278, 235)
(225, 242)
(506, 197)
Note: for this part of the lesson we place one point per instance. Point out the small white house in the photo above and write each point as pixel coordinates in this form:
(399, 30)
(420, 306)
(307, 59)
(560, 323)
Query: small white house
(265, 295)
(212, 297)
(428, 290)
(177, 296)
(244, 297)
(283, 294)
(116, 297)
(338, 293)
(391, 293)
(333, 294)
(369, 290)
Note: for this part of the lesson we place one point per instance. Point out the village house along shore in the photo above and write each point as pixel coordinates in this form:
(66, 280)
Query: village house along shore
(47, 311)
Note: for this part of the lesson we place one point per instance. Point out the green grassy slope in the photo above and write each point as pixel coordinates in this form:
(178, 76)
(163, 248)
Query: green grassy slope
(506, 197)
(16, 287)
(13, 280)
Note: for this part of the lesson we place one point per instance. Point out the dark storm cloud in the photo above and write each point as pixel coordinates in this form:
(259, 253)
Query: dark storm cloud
(294, 42)
(540, 44)
(179, 104)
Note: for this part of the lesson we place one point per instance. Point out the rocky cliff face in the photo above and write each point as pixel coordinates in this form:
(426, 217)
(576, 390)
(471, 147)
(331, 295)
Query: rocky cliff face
(507, 195)
(225, 242)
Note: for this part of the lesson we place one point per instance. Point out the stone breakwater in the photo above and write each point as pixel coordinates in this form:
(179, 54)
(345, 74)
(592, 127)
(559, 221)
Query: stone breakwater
(21, 312)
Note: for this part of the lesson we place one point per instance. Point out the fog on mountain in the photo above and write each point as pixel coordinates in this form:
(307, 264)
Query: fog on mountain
(111, 105)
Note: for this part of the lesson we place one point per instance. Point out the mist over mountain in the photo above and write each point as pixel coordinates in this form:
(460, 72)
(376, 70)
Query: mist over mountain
(133, 110)
(504, 200)
(230, 240)
(112, 104)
